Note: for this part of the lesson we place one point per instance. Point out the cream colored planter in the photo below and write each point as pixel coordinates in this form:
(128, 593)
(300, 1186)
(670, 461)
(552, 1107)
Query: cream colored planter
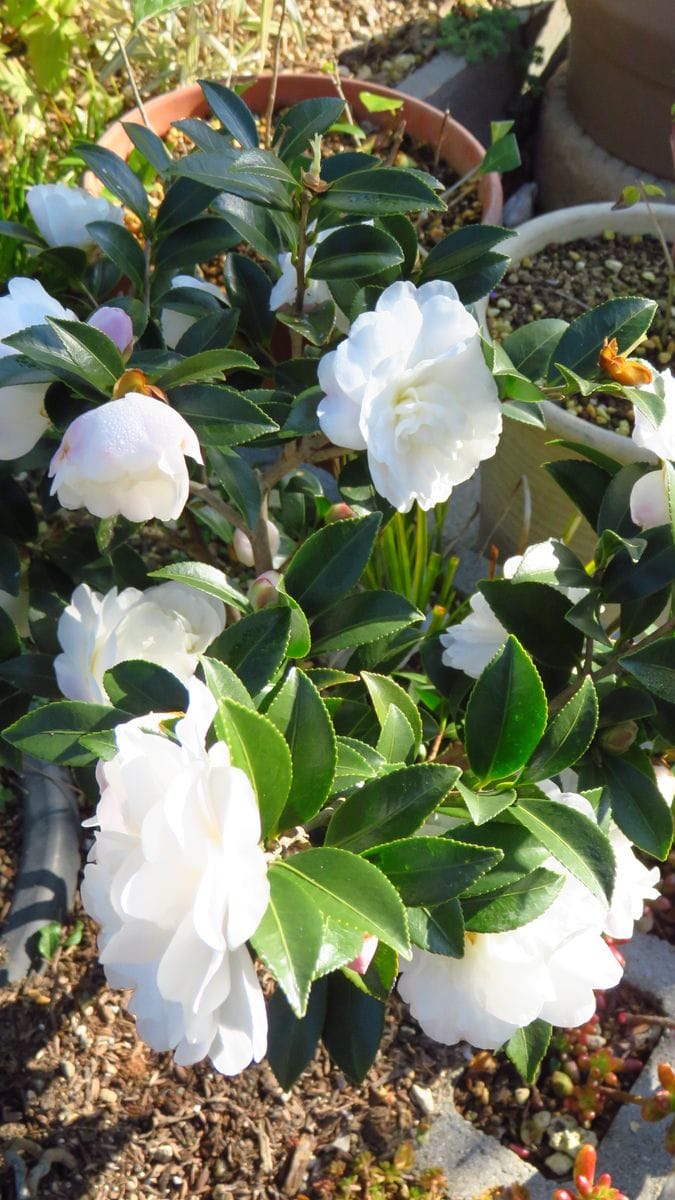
(523, 448)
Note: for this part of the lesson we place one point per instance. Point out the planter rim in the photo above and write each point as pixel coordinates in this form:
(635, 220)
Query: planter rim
(162, 110)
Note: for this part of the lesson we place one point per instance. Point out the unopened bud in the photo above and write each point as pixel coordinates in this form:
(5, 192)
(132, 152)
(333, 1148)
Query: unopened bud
(619, 738)
(584, 1168)
(666, 1075)
(365, 956)
(115, 323)
(264, 590)
(339, 512)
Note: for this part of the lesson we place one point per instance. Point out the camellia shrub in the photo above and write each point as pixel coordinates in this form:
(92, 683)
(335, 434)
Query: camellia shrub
(307, 789)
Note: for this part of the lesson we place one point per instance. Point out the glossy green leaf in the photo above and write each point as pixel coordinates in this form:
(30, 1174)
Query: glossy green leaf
(637, 805)
(222, 681)
(364, 617)
(393, 806)
(353, 1027)
(117, 177)
(568, 736)
(141, 687)
(626, 581)
(148, 144)
(53, 732)
(219, 415)
(254, 224)
(430, 870)
(506, 714)
(330, 562)
(210, 364)
(527, 1048)
(302, 121)
(32, 674)
(377, 193)
(291, 1043)
(255, 647)
(234, 115)
(351, 891)
(522, 852)
(260, 750)
(122, 249)
(573, 838)
(513, 905)
(355, 252)
(535, 614)
(301, 716)
(483, 806)
(288, 939)
(654, 667)
(384, 692)
(204, 578)
(531, 346)
(396, 742)
(627, 319)
(439, 930)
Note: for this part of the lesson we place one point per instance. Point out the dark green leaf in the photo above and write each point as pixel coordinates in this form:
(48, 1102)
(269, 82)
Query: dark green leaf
(574, 839)
(568, 736)
(257, 747)
(249, 288)
(53, 731)
(483, 806)
(439, 930)
(288, 938)
(254, 225)
(219, 415)
(148, 144)
(506, 714)
(353, 1027)
(361, 618)
(302, 121)
(513, 905)
(527, 1048)
(222, 681)
(210, 364)
(638, 807)
(255, 647)
(384, 692)
(301, 716)
(351, 891)
(117, 177)
(33, 674)
(654, 667)
(239, 481)
(330, 562)
(585, 483)
(141, 687)
(355, 252)
(627, 319)
(233, 113)
(377, 193)
(391, 807)
(204, 578)
(122, 249)
(530, 347)
(291, 1043)
(535, 613)
(626, 581)
(430, 870)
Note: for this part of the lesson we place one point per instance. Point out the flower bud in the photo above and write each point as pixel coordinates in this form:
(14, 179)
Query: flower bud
(584, 1167)
(619, 738)
(666, 1075)
(339, 512)
(115, 323)
(264, 590)
(365, 956)
(243, 548)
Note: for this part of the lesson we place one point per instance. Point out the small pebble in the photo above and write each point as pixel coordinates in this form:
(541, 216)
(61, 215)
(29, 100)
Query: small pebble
(521, 1095)
(503, 303)
(107, 1095)
(613, 265)
(559, 1163)
(343, 1143)
(163, 1153)
(423, 1098)
(68, 1069)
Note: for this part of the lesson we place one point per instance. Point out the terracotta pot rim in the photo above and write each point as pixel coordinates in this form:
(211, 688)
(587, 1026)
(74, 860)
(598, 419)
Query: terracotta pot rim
(164, 109)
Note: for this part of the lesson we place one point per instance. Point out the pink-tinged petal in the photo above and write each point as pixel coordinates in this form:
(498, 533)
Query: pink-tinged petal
(649, 501)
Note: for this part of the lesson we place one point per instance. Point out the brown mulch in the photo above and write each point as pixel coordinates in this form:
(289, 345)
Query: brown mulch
(10, 837)
(131, 1123)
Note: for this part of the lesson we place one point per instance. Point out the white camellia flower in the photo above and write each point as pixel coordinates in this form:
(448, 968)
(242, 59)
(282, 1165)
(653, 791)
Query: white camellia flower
(665, 782)
(174, 323)
(409, 385)
(177, 882)
(658, 439)
(23, 419)
(170, 625)
(471, 644)
(546, 969)
(649, 500)
(126, 457)
(62, 213)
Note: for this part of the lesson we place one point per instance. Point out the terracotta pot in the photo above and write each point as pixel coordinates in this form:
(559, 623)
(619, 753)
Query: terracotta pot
(459, 148)
(523, 448)
(620, 82)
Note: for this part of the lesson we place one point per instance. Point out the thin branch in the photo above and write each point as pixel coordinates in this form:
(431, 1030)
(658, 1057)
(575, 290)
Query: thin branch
(202, 492)
(271, 101)
(132, 80)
